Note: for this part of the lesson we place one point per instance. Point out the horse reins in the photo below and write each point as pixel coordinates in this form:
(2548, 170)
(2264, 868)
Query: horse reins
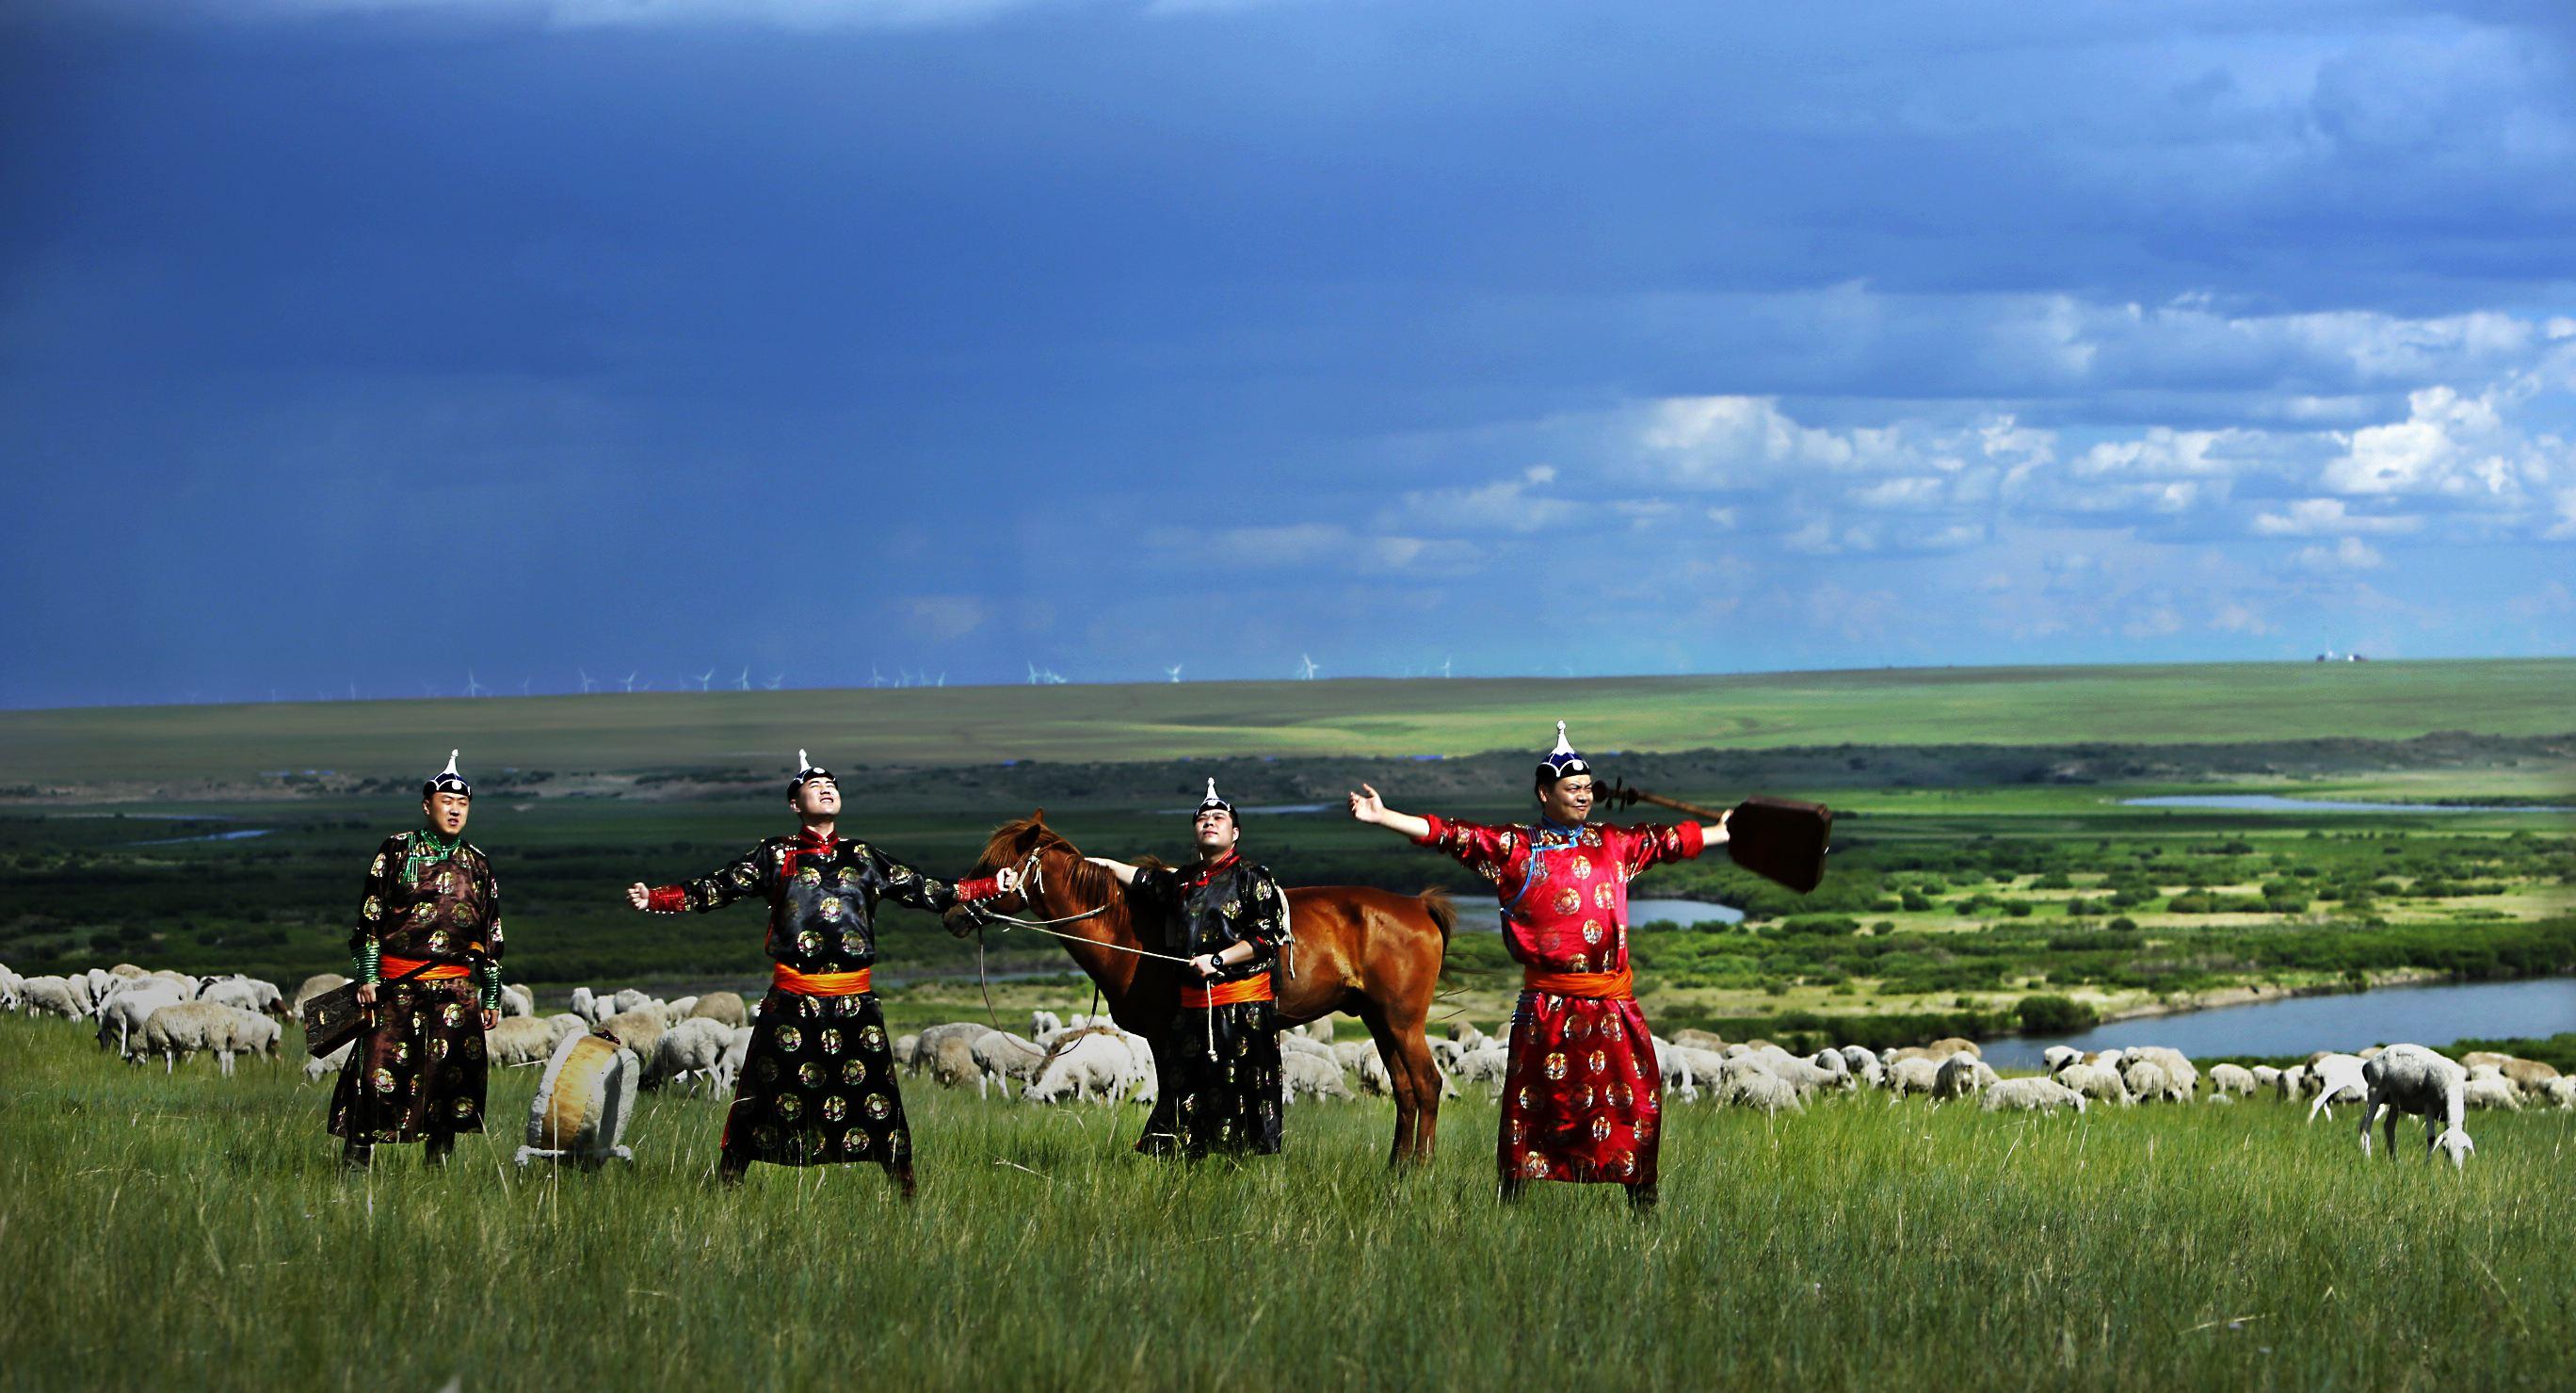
(1032, 878)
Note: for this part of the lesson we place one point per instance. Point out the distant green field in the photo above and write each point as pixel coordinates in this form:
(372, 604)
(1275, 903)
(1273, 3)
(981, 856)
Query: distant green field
(970, 725)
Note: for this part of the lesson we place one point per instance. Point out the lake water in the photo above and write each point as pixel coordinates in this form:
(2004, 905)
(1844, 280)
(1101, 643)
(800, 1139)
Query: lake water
(2433, 1016)
(244, 834)
(1690, 914)
(2274, 803)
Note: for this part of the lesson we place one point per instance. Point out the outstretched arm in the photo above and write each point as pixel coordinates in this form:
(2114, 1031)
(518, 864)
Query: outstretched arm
(1125, 873)
(1368, 807)
(713, 890)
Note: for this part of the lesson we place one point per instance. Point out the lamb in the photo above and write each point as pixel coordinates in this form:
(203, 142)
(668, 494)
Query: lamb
(183, 1028)
(2292, 1083)
(1312, 1075)
(518, 1040)
(1759, 1088)
(2413, 1079)
(2231, 1078)
(2031, 1095)
(1800, 1074)
(2095, 1081)
(1096, 1064)
(1004, 1058)
(2339, 1080)
(1961, 1075)
(691, 1048)
(737, 1052)
(724, 1007)
(2149, 1081)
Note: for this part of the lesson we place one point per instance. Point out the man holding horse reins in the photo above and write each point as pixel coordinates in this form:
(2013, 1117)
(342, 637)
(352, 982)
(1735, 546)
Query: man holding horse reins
(1582, 1099)
(1231, 919)
(818, 1085)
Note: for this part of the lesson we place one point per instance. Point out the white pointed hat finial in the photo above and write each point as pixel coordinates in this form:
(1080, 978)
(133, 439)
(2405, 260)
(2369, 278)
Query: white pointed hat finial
(1562, 748)
(802, 763)
(1211, 793)
(451, 765)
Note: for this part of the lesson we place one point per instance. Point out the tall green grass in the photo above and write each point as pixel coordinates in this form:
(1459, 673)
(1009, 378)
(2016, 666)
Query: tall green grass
(192, 1231)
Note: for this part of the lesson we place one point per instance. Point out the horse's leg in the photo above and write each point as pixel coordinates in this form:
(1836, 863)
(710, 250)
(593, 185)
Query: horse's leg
(1413, 1077)
(1399, 1079)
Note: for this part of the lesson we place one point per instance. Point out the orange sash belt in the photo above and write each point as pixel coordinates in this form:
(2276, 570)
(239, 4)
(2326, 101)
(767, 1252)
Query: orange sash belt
(1618, 986)
(786, 978)
(393, 967)
(1253, 988)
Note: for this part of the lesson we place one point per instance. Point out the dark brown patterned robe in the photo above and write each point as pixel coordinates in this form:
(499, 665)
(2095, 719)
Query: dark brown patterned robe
(418, 1070)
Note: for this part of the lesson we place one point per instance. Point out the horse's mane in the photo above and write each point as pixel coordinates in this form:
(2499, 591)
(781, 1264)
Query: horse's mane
(1084, 878)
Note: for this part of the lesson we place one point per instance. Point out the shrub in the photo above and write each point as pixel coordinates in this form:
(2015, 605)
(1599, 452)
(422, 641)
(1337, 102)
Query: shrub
(2054, 1015)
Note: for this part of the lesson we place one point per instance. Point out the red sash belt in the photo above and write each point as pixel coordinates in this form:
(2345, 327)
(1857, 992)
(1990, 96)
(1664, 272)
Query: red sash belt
(786, 978)
(1253, 988)
(393, 967)
(1617, 986)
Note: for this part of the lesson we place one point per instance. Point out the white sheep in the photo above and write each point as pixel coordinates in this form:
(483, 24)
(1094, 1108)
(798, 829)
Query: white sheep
(926, 1044)
(517, 1002)
(2057, 1057)
(55, 996)
(725, 1007)
(123, 1019)
(315, 985)
(1044, 1024)
(1488, 1064)
(2338, 1080)
(1961, 1075)
(1005, 1059)
(561, 1024)
(737, 1051)
(2265, 1076)
(2178, 1067)
(2292, 1084)
(2413, 1079)
(638, 1031)
(2231, 1078)
(1759, 1088)
(1912, 1074)
(1312, 1075)
(186, 1027)
(2561, 1092)
(593, 1007)
(330, 1063)
(1360, 1058)
(629, 999)
(245, 994)
(2030, 1095)
(1865, 1065)
(2097, 1082)
(1097, 1064)
(2494, 1093)
(691, 1049)
(2149, 1081)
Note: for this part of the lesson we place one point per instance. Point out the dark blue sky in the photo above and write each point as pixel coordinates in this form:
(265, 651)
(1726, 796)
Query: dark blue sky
(346, 342)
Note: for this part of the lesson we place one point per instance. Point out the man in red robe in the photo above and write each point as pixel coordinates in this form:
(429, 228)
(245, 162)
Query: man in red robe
(1583, 1098)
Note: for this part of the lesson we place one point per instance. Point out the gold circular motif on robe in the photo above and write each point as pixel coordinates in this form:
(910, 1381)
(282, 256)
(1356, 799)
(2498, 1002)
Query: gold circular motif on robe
(831, 906)
(810, 1074)
(451, 1013)
(1518, 1131)
(375, 908)
(809, 876)
(1579, 1027)
(378, 868)
(1534, 1166)
(447, 882)
(1601, 1127)
(829, 1042)
(848, 1006)
(855, 1142)
(1602, 896)
(1522, 1099)
(809, 942)
(464, 1107)
(423, 913)
(1568, 900)
(1555, 1065)
(1583, 1098)
(876, 1107)
(790, 1039)
(438, 940)
(1592, 932)
(438, 1048)
(1582, 868)
(474, 1046)
(788, 1106)
(1620, 1096)
(835, 1108)
(871, 1037)
(1599, 1061)
(765, 1069)
(1627, 1163)
(853, 944)
(383, 1079)
(854, 1072)
(849, 875)
(402, 1052)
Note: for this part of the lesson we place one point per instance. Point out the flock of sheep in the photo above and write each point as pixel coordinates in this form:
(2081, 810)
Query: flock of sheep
(702, 1041)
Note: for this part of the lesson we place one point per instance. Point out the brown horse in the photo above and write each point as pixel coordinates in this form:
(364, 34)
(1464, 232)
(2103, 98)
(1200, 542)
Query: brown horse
(1371, 953)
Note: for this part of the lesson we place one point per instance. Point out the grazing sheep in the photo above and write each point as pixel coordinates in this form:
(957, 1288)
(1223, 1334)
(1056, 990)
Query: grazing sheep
(2097, 1082)
(1701, 1040)
(630, 999)
(2231, 1078)
(1865, 1065)
(1097, 1064)
(245, 994)
(1760, 1088)
(2338, 1080)
(518, 1040)
(517, 1002)
(638, 1031)
(2292, 1083)
(1686, 1067)
(127, 970)
(1294, 1042)
(2177, 1065)
(331, 1063)
(1488, 1064)
(12, 989)
(1831, 1064)
(2413, 1079)
(1360, 1057)
(1801, 1074)
(592, 1007)
(1321, 1029)
(2031, 1095)
(183, 1028)
(1005, 1058)
(55, 997)
(951, 1060)
(1045, 1023)
(124, 1017)
(693, 1048)
(926, 1045)
(2265, 1076)
(2057, 1057)
(1961, 1075)
(2560, 1092)
(1952, 1044)
(2494, 1093)
(737, 1052)
(2149, 1081)
(1912, 1074)
(907, 1053)
(726, 1008)
(314, 986)
(559, 1025)
(1311, 1075)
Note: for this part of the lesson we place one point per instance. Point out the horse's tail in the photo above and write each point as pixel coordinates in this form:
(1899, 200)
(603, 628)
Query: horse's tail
(1442, 909)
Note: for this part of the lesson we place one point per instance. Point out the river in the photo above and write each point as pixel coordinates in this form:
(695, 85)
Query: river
(2432, 1015)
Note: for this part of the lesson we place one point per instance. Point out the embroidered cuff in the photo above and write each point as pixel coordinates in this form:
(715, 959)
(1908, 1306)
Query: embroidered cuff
(668, 899)
(982, 887)
(1432, 834)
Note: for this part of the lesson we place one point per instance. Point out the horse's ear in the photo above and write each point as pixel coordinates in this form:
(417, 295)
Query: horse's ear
(1038, 818)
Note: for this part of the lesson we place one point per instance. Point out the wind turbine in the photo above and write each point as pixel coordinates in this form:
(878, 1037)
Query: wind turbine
(1033, 674)
(472, 687)
(1444, 667)
(586, 684)
(1306, 667)
(875, 678)
(523, 685)
(1174, 672)
(772, 683)
(743, 683)
(705, 677)
(943, 678)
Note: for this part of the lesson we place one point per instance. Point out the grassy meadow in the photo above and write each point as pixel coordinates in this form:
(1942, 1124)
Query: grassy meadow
(192, 1231)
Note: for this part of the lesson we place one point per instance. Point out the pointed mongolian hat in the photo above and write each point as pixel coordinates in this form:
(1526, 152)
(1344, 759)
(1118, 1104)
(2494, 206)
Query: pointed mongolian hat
(806, 772)
(1213, 801)
(447, 780)
(1562, 761)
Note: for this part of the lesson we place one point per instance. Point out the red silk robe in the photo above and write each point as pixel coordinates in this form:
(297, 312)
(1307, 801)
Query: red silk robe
(1583, 1096)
